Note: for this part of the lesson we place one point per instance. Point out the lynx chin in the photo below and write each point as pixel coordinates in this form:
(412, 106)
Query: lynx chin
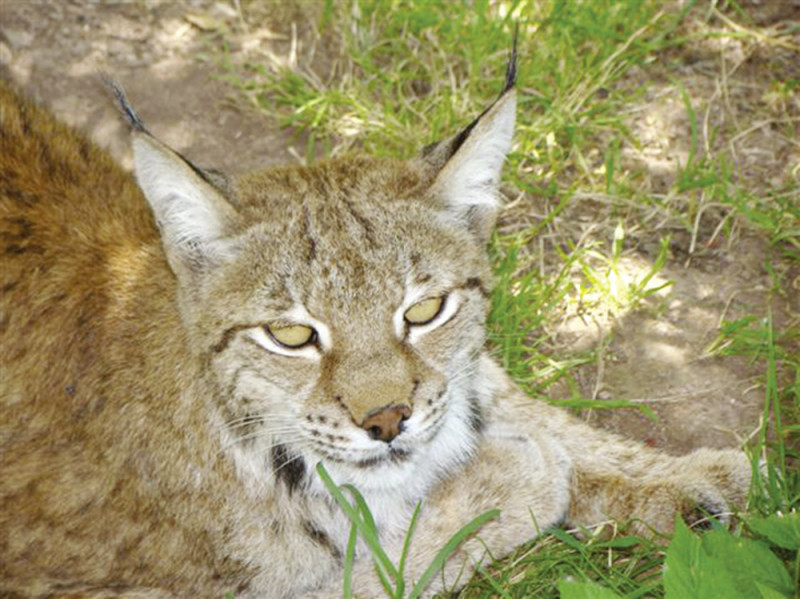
(178, 355)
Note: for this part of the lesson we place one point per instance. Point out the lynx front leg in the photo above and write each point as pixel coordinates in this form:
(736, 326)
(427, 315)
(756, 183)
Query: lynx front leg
(526, 481)
(619, 479)
(703, 482)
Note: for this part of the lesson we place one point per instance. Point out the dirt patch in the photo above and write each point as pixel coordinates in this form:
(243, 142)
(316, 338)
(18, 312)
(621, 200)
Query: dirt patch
(166, 56)
(162, 53)
(722, 267)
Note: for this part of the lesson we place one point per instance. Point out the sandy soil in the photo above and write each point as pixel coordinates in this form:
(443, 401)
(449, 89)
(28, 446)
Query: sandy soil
(162, 53)
(55, 51)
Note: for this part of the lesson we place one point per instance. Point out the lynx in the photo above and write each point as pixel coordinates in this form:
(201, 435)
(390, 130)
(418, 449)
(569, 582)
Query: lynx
(177, 357)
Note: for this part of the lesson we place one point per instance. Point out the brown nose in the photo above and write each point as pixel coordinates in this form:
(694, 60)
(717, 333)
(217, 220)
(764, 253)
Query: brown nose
(387, 422)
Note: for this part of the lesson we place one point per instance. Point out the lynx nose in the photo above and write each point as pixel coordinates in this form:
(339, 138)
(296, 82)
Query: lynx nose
(387, 422)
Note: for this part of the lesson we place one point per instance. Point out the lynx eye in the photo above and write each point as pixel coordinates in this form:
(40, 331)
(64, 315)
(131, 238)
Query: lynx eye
(293, 336)
(425, 311)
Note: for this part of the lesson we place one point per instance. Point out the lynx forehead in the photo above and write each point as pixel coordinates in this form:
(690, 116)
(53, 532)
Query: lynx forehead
(177, 360)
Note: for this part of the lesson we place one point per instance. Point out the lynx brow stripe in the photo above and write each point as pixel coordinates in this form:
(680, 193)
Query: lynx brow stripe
(359, 218)
(307, 228)
(228, 336)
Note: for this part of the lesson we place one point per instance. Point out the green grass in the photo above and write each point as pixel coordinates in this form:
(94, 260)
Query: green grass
(398, 74)
(392, 576)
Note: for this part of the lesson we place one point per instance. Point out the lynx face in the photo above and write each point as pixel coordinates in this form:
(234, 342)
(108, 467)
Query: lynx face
(340, 307)
(351, 340)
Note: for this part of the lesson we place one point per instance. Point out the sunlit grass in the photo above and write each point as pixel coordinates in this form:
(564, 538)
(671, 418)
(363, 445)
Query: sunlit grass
(396, 75)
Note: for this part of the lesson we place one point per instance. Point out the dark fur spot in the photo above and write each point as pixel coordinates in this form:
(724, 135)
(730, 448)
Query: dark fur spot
(10, 191)
(288, 468)
(242, 587)
(321, 538)
(25, 121)
(476, 283)
(476, 420)
(16, 249)
(472, 283)
(17, 354)
(21, 230)
(84, 149)
(98, 404)
(117, 490)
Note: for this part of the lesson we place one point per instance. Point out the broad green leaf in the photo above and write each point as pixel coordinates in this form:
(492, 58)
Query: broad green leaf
(568, 589)
(721, 565)
(681, 578)
(745, 562)
(768, 592)
(781, 530)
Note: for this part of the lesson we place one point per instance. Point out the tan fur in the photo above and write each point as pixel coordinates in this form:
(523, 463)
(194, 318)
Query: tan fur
(152, 445)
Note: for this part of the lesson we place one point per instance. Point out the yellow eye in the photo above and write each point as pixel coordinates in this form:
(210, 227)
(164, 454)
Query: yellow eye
(425, 311)
(295, 335)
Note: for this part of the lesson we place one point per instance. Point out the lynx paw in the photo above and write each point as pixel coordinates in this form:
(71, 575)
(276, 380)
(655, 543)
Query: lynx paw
(716, 484)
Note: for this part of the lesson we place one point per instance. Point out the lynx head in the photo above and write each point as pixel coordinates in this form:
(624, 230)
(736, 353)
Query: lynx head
(338, 309)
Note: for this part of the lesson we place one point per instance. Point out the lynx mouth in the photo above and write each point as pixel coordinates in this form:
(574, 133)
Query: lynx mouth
(395, 456)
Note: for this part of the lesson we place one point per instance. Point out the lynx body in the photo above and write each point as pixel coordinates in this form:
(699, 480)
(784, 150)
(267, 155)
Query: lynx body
(176, 362)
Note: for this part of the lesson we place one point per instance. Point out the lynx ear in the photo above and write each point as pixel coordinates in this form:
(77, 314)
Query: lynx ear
(194, 218)
(469, 165)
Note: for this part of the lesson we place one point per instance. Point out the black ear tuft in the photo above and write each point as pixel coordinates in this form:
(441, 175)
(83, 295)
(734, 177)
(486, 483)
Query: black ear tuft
(511, 69)
(432, 151)
(124, 104)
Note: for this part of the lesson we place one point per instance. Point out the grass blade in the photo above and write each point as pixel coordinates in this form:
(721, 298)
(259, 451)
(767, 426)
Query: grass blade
(446, 551)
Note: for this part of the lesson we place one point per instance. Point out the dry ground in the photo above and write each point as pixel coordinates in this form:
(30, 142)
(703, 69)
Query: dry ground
(163, 53)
